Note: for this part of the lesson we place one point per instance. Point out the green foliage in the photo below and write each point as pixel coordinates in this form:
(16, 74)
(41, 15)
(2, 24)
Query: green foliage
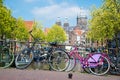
(105, 21)
(20, 30)
(38, 31)
(56, 33)
(11, 27)
(7, 22)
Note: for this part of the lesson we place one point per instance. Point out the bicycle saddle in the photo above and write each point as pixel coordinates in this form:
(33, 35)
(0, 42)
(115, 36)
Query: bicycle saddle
(53, 43)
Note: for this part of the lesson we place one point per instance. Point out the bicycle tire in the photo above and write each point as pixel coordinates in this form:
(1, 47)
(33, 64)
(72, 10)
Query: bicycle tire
(115, 70)
(6, 58)
(118, 63)
(104, 66)
(57, 62)
(72, 64)
(24, 58)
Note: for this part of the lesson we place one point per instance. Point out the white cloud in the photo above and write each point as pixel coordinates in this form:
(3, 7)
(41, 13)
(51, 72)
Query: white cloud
(58, 10)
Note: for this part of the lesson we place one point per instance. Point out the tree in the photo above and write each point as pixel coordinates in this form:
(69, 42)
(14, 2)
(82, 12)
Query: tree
(7, 21)
(56, 33)
(11, 27)
(105, 21)
(38, 31)
(20, 30)
(1, 2)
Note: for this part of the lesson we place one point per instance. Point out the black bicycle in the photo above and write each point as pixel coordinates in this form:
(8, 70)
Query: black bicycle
(115, 62)
(57, 58)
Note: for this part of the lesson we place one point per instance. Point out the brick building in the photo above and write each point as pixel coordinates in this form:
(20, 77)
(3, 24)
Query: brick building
(29, 25)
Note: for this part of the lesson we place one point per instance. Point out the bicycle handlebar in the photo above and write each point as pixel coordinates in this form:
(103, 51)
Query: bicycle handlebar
(36, 39)
(30, 31)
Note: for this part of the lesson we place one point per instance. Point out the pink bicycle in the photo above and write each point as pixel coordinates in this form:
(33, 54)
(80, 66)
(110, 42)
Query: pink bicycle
(96, 63)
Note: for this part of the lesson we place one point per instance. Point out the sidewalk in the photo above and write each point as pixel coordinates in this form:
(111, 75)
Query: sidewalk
(16, 74)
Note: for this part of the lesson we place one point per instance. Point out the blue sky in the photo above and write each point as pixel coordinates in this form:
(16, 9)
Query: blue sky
(47, 11)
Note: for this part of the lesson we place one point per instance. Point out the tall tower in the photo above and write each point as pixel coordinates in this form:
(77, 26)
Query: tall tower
(66, 25)
(82, 20)
(58, 22)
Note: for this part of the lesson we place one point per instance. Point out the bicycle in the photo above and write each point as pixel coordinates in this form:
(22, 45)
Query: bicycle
(97, 63)
(57, 59)
(114, 61)
(6, 55)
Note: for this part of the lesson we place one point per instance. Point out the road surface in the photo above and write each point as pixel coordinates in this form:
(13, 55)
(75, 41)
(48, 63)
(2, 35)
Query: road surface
(30, 74)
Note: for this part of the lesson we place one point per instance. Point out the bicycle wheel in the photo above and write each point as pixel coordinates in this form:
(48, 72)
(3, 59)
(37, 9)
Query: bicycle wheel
(24, 59)
(118, 63)
(100, 67)
(59, 60)
(115, 65)
(6, 58)
(72, 64)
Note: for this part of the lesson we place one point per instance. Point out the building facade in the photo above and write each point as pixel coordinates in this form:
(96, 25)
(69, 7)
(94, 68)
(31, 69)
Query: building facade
(75, 33)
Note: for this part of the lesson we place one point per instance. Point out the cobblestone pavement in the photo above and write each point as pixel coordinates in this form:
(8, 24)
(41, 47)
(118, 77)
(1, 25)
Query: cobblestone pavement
(16, 74)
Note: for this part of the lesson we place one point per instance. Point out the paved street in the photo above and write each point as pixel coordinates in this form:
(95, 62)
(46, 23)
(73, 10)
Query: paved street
(16, 74)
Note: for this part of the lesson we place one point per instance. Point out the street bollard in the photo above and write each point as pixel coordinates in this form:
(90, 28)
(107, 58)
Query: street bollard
(70, 75)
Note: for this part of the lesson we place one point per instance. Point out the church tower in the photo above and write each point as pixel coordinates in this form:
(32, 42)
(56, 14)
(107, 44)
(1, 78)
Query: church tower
(66, 25)
(58, 22)
(82, 20)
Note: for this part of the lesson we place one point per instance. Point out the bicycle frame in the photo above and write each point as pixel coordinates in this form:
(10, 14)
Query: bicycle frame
(90, 61)
(95, 63)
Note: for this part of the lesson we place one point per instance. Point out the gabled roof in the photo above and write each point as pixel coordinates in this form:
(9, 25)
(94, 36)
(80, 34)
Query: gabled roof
(78, 31)
(29, 24)
(46, 30)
